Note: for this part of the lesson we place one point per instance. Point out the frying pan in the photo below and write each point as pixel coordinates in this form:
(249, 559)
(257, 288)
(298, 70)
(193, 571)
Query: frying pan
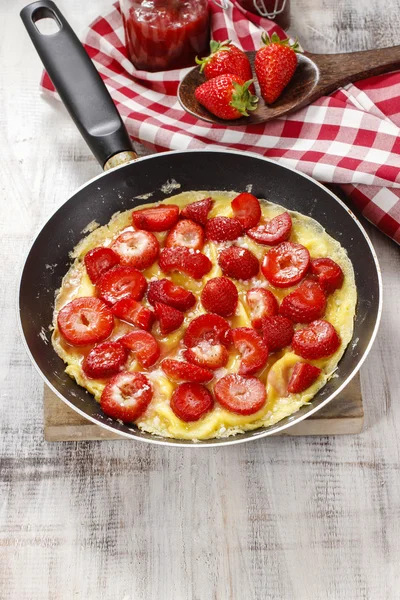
(125, 186)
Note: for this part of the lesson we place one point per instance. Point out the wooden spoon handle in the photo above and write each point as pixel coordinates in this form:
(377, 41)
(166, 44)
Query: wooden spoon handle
(339, 69)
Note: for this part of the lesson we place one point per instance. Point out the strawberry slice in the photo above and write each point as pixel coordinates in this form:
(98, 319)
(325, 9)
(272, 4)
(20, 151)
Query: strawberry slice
(167, 292)
(247, 210)
(186, 233)
(207, 328)
(262, 304)
(190, 401)
(207, 355)
(121, 282)
(286, 264)
(126, 396)
(143, 345)
(277, 332)
(273, 232)
(318, 340)
(252, 348)
(238, 263)
(198, 211)
(104, 360)
(158, 218)
(304, 304)
(168, 317)
(303, 375)
(329, 273)
(241, 395)
(133, 312)
(220, 296)
(179, 370)
(186, 260)
(223, 229)
(98, 261)
(137, 249)
(85, 321)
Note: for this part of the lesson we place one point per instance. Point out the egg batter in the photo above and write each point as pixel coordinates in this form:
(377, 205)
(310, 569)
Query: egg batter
(159, 418)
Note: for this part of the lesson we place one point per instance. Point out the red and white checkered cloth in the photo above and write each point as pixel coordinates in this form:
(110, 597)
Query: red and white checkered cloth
(351, 138)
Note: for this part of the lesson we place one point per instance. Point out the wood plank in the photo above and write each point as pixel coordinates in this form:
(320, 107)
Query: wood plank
(344, 415)
(288, 518)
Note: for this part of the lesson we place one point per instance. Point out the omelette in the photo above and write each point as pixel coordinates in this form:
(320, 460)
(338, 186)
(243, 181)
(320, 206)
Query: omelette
(159, 418)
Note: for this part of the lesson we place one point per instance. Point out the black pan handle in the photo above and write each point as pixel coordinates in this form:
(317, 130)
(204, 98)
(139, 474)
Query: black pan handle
(78, 83)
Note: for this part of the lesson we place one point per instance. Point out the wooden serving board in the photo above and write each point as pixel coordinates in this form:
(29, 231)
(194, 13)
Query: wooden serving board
(344, 415)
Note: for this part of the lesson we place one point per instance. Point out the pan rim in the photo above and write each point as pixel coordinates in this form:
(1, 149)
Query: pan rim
(257, 434)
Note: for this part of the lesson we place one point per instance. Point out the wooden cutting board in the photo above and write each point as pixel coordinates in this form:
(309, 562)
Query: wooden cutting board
(344, 415)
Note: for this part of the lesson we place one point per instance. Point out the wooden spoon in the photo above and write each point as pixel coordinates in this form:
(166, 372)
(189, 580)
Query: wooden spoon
(316, 75)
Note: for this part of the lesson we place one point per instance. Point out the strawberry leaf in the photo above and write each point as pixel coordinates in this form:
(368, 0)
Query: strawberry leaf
(214, 47)
(275, 39)
(242, 99)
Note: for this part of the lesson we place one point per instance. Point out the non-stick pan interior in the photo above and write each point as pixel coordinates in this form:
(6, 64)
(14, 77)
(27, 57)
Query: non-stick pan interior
(160, 176)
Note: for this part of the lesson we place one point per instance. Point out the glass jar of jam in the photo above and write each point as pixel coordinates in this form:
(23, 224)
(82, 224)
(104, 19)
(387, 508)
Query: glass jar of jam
(165, 34)
(277, 10)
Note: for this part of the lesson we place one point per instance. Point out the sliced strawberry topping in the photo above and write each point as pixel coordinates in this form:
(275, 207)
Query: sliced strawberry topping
(262, 304)
(198, 211)
(104, 360)
(286, 264)
(179, 370)
(207, 355)
(252, 348)
(238, 263)
(137, 249)
(168, 317)
(220, 296)
(304, 304)
(247, 210)
(186, 233)
(98, 261)
(143, 345)
(121, 282)
(167, 292)
(207, 328)
(133, 312)
(223, 229)
(85, 321)
(190, 401)
(318, 340)
(277, 332)
(329, 273)
(241, 395)
(302, 377)
(186, 260)
(273, 232)
(158, 218)
(126, 396)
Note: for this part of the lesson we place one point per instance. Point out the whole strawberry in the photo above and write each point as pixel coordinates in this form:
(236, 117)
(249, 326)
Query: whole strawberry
(227, 96)
(225, 59)
(275, 64)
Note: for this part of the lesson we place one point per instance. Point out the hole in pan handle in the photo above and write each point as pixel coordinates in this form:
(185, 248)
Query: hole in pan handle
(79, 86)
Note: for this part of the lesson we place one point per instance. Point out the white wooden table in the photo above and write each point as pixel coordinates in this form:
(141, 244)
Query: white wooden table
(283, 518)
